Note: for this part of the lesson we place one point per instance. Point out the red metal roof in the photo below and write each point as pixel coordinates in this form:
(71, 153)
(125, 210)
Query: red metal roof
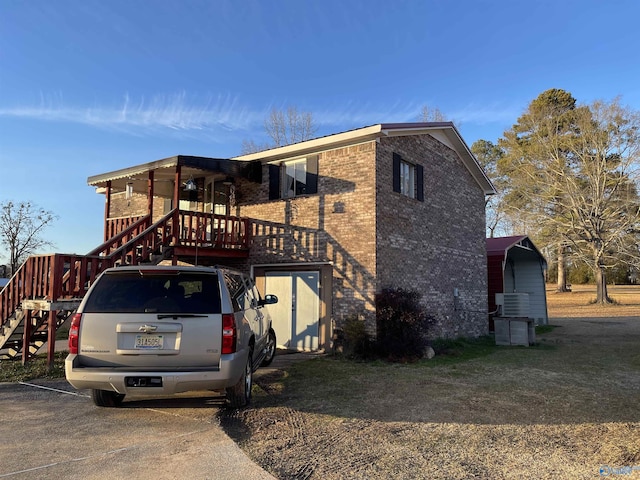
(499, 246)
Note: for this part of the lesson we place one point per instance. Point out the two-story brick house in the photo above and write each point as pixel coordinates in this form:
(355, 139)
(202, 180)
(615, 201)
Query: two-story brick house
(324, 224)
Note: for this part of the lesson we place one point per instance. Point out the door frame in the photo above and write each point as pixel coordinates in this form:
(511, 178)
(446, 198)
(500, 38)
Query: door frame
(325, 300)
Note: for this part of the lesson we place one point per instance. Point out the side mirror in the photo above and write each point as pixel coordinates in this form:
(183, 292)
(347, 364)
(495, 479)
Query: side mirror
(269, 300)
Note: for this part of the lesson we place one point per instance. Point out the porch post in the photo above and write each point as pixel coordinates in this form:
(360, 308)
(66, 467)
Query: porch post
(150, 197)
(26, 335)
(51, 339)
(107, 211)
(56, 275)
(176, 187)
(176, 210)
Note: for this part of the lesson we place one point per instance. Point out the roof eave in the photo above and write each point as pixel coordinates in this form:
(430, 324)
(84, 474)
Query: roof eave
(189, 165)
(317, 144)
(373, 132)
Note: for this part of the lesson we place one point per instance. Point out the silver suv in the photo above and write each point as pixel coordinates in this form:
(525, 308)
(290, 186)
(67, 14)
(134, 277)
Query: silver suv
(150, 330)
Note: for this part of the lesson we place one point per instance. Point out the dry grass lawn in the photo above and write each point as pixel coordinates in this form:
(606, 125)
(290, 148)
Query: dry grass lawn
(566, 408)
(579, 302)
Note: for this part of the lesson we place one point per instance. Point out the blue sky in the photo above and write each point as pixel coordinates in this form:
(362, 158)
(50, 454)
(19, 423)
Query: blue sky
(90, 86)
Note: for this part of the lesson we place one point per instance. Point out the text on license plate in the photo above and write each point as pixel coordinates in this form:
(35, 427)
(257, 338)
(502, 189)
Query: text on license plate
(149, 342)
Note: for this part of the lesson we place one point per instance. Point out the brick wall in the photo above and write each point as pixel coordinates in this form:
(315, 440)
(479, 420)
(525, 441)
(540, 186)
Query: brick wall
(436, 246)
(135, 206)
(374, 237)
(336, 225)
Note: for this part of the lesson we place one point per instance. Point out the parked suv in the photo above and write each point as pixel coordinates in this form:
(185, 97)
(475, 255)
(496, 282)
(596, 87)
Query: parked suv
(150, 330)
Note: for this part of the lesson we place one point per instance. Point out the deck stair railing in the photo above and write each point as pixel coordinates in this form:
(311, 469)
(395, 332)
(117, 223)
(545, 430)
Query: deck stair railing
(46, 289)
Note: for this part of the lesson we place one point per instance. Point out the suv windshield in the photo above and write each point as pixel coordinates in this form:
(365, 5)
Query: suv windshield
(166, 292)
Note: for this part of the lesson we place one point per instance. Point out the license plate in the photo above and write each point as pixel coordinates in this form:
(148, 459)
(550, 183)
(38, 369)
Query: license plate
(149, 342)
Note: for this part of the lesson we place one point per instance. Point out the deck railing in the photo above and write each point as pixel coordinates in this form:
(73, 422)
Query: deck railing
(209, 230)
(50, 277)
(68, 276)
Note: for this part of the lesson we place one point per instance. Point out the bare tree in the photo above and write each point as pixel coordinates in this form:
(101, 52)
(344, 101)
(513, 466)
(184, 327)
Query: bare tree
(250, 146)
(21, 227)
(284, 127)
(432, 114)
(574, 172)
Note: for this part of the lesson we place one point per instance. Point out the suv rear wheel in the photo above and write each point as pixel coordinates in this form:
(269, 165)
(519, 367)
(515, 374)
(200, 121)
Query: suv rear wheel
(106, 398)
(239, 395)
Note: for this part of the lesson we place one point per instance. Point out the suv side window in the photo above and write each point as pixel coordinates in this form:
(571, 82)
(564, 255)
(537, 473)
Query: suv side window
(251, 294)
(236, 291)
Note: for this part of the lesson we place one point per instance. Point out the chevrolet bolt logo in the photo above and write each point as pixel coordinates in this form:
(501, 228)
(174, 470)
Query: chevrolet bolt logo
(148, 328)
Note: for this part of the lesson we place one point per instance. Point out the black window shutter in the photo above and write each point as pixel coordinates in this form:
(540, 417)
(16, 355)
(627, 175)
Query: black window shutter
(420, 183)
(396, 172)
(312, 174)
(274, 182)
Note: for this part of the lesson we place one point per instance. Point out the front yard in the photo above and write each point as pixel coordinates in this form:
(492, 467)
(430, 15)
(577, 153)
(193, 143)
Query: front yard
(566, 408)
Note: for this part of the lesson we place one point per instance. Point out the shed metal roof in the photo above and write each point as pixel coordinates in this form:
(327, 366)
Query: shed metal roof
(500, 246)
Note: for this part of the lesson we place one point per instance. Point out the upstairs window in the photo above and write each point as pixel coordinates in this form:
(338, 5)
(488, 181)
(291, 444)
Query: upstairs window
(408, 178)
(293, 178)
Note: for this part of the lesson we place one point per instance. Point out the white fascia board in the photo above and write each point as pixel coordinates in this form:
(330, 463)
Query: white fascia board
(130, 172)
(316, 145)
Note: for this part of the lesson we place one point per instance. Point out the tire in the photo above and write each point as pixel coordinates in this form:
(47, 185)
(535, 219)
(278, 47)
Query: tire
(239, 396)
(270, 349)
(106, 398)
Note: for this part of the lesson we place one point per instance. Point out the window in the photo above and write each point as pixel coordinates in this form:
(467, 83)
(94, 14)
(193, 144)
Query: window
(408, 178)
(133, 292)
(236, 291)
(293, 178)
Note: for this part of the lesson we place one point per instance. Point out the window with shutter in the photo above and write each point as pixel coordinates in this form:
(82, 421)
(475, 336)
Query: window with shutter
(293, 178)
(408, 179)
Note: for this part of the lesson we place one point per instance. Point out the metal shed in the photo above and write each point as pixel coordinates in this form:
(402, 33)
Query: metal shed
(515, 269)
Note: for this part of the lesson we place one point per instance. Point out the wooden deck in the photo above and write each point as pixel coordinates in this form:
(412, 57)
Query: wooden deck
(47, 288)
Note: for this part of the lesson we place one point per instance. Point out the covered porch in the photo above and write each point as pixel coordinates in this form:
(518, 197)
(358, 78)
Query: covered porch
(189, 200)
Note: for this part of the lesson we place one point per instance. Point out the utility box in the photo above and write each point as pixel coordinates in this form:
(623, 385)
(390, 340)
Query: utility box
(514, 331)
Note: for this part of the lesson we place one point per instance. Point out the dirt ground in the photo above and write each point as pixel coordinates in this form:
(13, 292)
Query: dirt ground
(566, 408)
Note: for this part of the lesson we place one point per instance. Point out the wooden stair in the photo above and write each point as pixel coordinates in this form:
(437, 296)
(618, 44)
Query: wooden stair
(12, 334)
(47, 289)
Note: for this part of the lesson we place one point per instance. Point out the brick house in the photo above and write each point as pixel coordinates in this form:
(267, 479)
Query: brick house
(324, 224)
(329, 222)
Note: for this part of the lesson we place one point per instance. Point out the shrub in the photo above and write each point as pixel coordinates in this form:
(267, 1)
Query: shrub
(402, 325)
(355, 340)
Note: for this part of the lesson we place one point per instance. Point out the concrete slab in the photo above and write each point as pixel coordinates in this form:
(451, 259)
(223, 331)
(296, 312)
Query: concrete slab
(49, 430)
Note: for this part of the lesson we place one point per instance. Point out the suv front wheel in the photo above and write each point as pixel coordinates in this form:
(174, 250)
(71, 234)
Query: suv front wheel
(270, 349)
(239, 395)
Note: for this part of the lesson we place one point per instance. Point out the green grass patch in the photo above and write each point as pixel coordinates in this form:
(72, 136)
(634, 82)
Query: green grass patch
(462, 349)
(62, 333)
(14, 371)
(542, 329)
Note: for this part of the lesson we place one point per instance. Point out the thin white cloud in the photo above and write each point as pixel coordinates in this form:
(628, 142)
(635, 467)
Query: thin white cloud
(485, 114)
(213, 115)
(358, 115)
(178, 112)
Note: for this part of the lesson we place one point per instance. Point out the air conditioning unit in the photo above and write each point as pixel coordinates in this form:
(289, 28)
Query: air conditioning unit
(513, 304)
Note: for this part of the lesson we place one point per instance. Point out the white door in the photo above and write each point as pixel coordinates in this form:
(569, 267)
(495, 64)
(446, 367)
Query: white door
(296, 315)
